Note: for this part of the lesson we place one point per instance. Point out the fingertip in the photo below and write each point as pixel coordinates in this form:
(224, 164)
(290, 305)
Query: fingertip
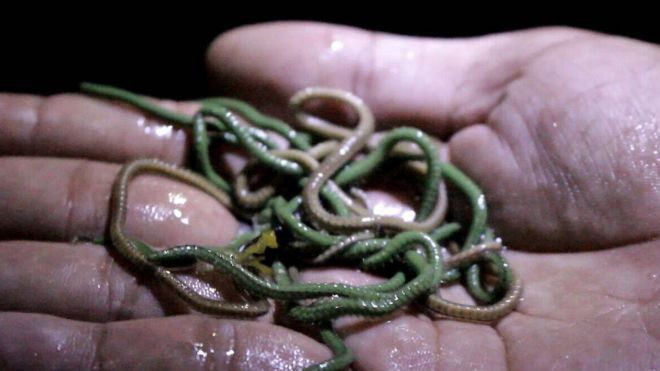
(440, 85)
(267, 63)
(36, 341)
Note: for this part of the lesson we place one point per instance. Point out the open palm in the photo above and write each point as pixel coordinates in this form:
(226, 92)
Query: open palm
(560, 128)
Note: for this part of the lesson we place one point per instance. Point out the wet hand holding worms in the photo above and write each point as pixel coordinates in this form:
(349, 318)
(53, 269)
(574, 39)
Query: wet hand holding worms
(319, 222)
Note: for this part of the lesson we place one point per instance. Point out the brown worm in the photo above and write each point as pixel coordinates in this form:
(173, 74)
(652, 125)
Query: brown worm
(348, 148)
(128, 249)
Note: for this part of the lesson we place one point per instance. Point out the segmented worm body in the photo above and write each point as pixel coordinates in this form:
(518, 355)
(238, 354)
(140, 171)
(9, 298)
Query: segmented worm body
(311, 210)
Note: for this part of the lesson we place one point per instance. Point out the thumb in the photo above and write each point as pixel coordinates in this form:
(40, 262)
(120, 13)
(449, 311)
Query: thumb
(439, 85)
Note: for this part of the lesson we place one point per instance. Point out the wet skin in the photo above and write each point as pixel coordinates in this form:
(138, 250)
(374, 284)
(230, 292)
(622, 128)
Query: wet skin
(559, 127)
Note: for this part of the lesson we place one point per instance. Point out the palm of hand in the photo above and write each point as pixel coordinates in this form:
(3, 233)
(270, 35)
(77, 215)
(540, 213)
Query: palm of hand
(567, 156)
(569, 160)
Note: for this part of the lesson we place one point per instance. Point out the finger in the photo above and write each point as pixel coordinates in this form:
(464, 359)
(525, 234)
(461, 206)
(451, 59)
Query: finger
(91, 284)
(57, 200)
(94, 284)
(562, 175)
(70, 125)
(403, 79)
(33, 341)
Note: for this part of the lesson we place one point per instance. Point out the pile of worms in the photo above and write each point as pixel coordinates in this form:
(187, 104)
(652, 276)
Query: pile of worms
(312, 212)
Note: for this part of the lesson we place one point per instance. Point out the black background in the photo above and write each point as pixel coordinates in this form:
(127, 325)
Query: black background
(163, 54)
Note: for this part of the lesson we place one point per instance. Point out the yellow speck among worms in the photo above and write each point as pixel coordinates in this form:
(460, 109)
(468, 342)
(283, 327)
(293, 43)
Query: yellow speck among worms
(254, 254)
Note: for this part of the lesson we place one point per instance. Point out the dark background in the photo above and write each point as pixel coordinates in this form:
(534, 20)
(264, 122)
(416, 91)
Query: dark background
(163, 55)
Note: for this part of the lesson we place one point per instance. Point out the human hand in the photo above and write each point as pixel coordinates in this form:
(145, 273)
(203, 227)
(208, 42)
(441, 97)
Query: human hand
(567, 155)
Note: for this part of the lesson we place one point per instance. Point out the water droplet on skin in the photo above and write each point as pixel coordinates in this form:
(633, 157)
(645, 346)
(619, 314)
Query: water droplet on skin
(200, 354)
(153, 212)
(179, 215)
(159, 131)
(336, 46)
(334, 49)
(177, 198)
(388, 209)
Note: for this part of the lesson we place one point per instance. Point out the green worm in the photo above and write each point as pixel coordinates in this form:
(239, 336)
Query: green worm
(149, 107)
(360, 169)
(284, 213)
(201, 149)
(342, 356)
(255, 148)
(325, 221)
(137, 101)
(348, 148)
(331, 193)
(334, 308)
(362, 249)
(444, 231)
(394, 283)
(326, 129)
(253, 283)
(202, 143)
(296, 139)
(479, 215)
(351, 146)
(342, 245)
(428, 277)
(335, 196)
